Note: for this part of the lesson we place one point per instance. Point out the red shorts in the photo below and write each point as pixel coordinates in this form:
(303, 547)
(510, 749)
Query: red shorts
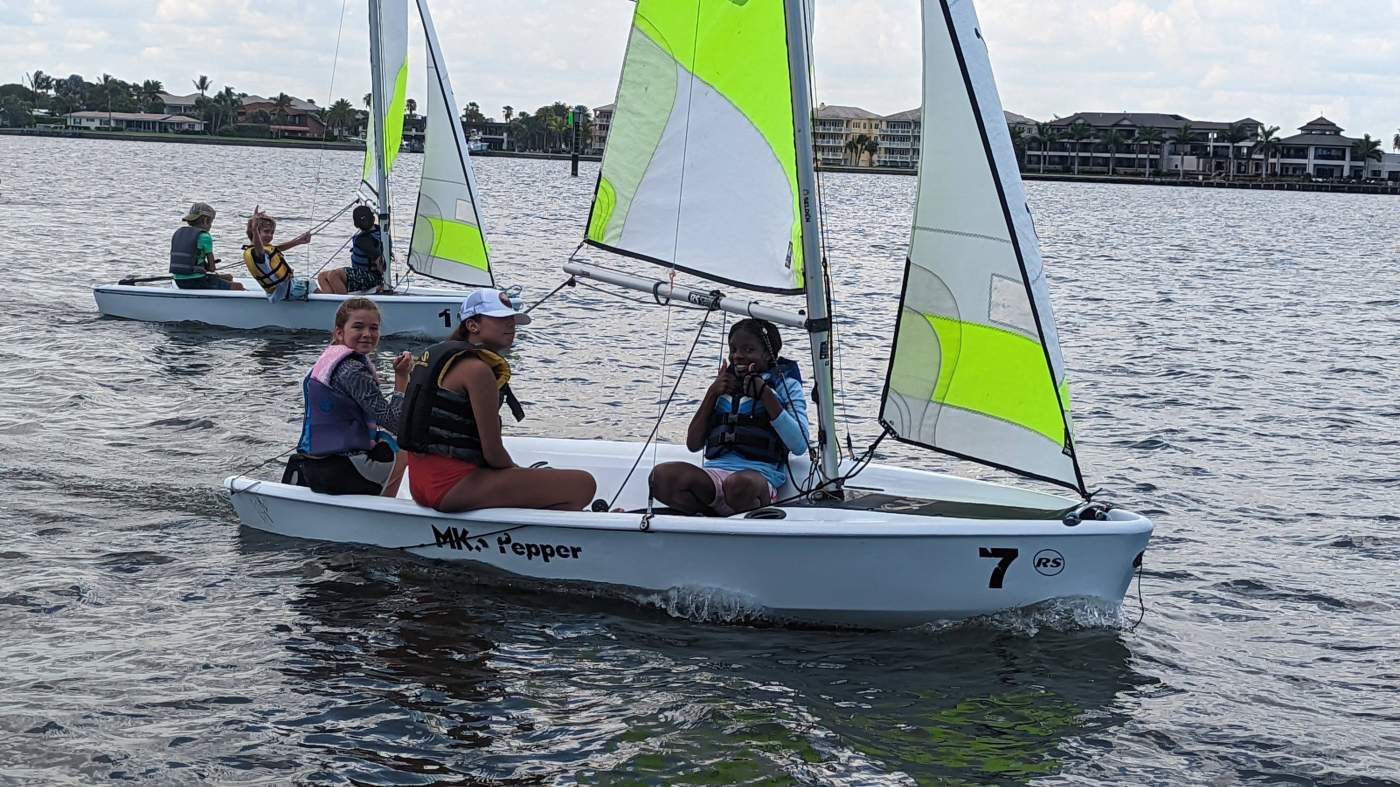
(431, 477)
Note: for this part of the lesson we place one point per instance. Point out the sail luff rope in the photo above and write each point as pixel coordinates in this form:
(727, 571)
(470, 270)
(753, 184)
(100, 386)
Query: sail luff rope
(321, 153)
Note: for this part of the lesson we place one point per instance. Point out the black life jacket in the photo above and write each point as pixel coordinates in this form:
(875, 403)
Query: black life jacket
(184, 251)
(750, 434)
(441, 422)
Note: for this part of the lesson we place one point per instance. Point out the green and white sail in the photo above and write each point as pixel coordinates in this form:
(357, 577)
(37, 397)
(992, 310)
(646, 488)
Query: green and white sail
(976, 370)
(700, 167)
(447, 241)
(389, 22)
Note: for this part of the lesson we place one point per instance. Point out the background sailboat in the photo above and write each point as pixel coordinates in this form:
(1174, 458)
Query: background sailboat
(446, 241)
(907, 546)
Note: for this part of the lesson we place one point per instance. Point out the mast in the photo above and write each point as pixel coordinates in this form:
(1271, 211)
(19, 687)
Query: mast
(377, 99)
(813, 263)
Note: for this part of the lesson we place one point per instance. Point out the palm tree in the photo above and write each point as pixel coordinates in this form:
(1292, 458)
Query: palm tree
(872, 146)
(1395, 143)
(411, 106)
(1148, 136)
(338, 116)
(508, 112)
(1266, 142)
(1365, 149)
(1079, 131)
(1018, 144)
(42, 83)
(1112, 139)
(226, 106)
(150, 95)
(202, 85)
(280, 105)
(1182, 139)
(109, 87)
(1235, 134)
(1046, 135)
(368, 99)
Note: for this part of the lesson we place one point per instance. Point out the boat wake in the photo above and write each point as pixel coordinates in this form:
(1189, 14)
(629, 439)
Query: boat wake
(1057, 615)
(707, 605)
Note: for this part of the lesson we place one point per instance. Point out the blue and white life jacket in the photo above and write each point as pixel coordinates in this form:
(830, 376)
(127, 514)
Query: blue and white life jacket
(334, 423)
(359, 258)
(743, 426)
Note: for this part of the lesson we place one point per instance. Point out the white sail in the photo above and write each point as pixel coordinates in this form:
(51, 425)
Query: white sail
(700, 168)
(448, 242)
(390, 25)
(976, 369)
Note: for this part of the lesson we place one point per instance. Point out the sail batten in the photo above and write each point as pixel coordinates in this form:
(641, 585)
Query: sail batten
(702, 138)
(448, 241)
(976, 370)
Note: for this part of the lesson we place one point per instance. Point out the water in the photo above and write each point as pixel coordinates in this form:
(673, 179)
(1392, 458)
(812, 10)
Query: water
(1233, 363)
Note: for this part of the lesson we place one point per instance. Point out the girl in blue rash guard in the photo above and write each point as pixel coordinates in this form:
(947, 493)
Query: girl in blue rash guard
(752, 418)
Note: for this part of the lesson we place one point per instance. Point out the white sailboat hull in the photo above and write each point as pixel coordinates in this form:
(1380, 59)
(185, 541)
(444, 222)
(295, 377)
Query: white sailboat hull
(424, 312)
(874, 567)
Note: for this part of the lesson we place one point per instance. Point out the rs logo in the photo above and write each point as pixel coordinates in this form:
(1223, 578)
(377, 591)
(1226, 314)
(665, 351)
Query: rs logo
(1048, 562)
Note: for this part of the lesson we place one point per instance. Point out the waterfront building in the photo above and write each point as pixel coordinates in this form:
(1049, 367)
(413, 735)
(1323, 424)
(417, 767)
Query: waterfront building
(187, 105)
(1319, 150)
(1387, 169)
(837, 131)
(132, 121)
(1142, 143)
(901, 138)
(294, 122)
(602, 123)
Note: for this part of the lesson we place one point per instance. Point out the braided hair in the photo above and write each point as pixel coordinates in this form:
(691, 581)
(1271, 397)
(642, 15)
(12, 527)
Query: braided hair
(766, 333)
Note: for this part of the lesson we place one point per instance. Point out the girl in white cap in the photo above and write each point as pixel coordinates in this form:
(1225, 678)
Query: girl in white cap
(451, 427)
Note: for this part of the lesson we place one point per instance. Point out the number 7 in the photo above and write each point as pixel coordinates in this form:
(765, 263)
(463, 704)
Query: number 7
(1007, 556)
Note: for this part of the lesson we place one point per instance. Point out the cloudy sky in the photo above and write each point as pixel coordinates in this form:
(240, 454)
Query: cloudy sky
(1282, 62)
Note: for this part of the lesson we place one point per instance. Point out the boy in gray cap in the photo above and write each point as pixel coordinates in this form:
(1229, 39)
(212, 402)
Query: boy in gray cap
(192, 260)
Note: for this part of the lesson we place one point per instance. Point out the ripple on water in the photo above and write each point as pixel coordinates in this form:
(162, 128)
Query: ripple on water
(1214, 389)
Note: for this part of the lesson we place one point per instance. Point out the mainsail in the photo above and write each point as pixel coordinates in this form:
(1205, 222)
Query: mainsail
(976, 369)
(389, 22)
(447, 239)
(700, 168)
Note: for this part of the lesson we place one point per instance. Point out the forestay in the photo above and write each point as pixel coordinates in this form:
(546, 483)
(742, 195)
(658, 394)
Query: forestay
(393, 42)
(700, 168)
(447, 241)
(976, 369)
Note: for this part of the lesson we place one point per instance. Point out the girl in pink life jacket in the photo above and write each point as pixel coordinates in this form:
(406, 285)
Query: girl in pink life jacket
(343, 447)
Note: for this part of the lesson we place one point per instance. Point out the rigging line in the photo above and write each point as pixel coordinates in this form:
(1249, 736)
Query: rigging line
(257, 466)
(824, 242)
(330, 97)
(569, 282)
(1142, 606)
(681, 376)
(334, 254)
(685, 144)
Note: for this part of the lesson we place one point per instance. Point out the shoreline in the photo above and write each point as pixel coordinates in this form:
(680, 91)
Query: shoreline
(1341, 187)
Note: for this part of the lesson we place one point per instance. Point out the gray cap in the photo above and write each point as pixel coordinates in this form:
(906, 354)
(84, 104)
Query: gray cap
(198, 211)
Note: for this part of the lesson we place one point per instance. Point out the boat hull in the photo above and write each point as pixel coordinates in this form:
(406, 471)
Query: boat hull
(874, 568)
(422, 312)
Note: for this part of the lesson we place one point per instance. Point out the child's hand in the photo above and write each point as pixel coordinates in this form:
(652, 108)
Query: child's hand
(726, 383)
(305, 237)
(403, 364)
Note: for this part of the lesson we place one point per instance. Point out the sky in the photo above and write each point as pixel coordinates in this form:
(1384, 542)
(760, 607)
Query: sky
(1282, 62)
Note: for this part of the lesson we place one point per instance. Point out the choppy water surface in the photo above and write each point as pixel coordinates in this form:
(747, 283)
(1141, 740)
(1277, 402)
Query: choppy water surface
(1233, 360)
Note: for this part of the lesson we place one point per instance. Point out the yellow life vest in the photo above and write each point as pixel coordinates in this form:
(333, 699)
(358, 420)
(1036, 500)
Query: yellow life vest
(281, 271)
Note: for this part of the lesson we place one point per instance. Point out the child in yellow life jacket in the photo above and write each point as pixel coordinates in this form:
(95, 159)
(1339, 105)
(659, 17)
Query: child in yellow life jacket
(266, 262)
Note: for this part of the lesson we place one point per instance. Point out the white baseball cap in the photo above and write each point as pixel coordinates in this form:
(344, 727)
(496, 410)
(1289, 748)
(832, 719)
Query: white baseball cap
(489, 302)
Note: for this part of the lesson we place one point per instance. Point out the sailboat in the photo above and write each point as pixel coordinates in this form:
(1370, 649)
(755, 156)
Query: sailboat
(715, 93)
(446, 242)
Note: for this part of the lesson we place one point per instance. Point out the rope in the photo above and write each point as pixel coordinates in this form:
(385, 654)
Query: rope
(330, 98)
(660, 416)
(257, 466)
(1142, 606)
(569, 282)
